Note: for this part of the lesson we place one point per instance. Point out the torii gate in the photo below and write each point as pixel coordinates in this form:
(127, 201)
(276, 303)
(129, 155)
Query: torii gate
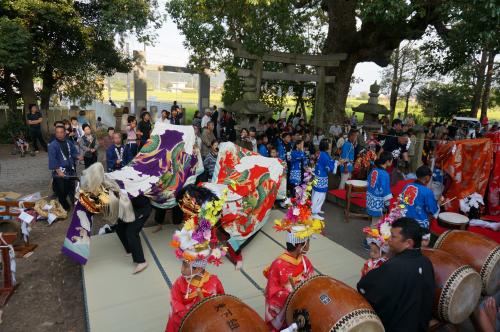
(140, 81)
(320, 62)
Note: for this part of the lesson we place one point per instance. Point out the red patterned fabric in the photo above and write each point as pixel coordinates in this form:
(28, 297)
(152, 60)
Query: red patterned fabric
(493, 195)
(468, 163)
(494, 235)
(180, 304)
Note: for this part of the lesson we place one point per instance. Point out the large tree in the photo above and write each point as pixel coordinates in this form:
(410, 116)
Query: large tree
(368, 31)
(67, 44)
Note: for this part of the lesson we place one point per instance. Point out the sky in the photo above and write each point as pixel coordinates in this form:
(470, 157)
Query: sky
(169, 50)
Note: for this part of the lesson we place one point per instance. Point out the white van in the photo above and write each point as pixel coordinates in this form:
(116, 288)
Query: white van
(472, 124)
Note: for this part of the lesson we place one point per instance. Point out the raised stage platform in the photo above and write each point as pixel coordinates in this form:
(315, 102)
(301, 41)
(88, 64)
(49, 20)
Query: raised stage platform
(116, 300)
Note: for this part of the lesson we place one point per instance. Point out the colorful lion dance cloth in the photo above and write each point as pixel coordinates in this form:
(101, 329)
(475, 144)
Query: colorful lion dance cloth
(253, 182)
(167, 163)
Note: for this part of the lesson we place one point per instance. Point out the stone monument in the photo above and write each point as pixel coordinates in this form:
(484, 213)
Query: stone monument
(372, 110)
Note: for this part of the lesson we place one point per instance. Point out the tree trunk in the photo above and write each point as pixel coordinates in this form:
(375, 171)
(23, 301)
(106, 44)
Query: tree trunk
(47, 88)
(393, 99)
(478, 88)
(336, 94)
(25, 78)
(487, 85)
(10, 94)
(408, 95)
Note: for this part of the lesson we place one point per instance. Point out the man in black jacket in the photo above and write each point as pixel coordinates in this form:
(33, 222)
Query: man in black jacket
(401, 291)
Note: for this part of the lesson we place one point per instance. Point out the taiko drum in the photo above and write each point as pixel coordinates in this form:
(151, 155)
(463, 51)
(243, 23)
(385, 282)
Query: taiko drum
(323, 304)
(476, 250)
(458, 286)
(222, 313)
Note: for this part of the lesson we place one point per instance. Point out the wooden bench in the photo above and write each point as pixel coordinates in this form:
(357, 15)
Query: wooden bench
(10, 210)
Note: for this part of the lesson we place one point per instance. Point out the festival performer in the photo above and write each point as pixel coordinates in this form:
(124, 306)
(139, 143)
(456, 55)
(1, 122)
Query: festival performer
(117, 155)
(196, 245)
(292, 267)
(379, 194)
(420, 202)
(347, 157)
(324, 165)
(298, 161)
(378, 250)
(401, 291)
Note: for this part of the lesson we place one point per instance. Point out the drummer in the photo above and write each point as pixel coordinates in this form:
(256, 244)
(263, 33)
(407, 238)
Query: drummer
(401, 291)
(292, 267)
(419, 201)
(196, 251)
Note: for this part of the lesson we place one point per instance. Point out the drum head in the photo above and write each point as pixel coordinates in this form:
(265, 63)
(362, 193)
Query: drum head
(363, 320)
(460, 295)
(490, 273)
(453, 218)
(357, 183)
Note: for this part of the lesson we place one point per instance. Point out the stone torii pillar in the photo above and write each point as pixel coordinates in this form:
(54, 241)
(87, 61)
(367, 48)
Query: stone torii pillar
(140, 81)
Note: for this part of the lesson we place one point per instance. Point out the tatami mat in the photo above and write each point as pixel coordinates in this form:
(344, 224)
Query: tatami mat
(120, 301)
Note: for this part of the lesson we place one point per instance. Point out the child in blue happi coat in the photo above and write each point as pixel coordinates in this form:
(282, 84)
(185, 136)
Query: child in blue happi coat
(324, 166)
(262, 146)
(419, 201)
(378, 194)
(347, 157)
(298, 161)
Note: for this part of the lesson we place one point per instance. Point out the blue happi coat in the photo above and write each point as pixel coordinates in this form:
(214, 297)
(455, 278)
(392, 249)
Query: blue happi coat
(347, 154)
(378, 193)
(298, 159)
(112, 156)
(324, 165)
(420, 202)
(263, 151)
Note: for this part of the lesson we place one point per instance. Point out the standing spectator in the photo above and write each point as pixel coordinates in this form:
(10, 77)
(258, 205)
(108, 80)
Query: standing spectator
(124, 124)
(89, 145)
(295, 120)
(207, 137)
(210, 160)
(335, 130)
(215, 119)
(175, 117)
(324, 166)
(244, 140)
(354, 120)
(206, 118)
(99, 125)
(318, 137)
(34, 120)
(272, 132)
(131, 132)
(411, 150)
(284, 147)
(197, 135)
(262, 146)
(117, 155)
(144, 127)
(174, 106)
(62, 161)
(197, 119)
(76, 129)
(165, 116)
(347, 158)
(252, 133)
(82, 118)
(229, 133)
(108, 140)
(67, 127)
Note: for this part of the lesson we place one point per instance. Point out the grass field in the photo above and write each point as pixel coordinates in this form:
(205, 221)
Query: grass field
(190, 100)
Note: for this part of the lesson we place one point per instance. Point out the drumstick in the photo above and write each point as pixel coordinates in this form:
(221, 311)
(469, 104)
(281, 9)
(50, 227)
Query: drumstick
(290, 279)
(448, 201)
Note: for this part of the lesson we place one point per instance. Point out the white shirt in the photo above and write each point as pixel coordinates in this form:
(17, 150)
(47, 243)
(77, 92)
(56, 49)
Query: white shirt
(205, 120)
(335, 130)
(317, 139)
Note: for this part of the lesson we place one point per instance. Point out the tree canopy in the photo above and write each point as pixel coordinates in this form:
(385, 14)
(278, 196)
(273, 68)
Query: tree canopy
(67, 44)
(365, 30)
